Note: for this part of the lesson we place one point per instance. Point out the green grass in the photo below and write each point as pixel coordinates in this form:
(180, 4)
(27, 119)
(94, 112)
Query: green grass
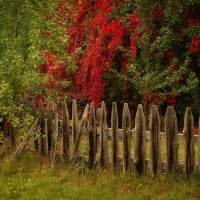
(29, 177)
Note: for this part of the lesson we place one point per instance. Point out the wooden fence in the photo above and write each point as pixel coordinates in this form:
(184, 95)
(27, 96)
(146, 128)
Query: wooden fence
(105, 143)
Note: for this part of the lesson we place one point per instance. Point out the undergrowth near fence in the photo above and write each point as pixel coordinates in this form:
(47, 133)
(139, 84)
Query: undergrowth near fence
(29, 177)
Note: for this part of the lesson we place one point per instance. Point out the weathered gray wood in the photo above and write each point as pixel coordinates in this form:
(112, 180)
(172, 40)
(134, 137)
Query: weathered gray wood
(126, 126)
(66, 132)
(75, 122)
(140, 141)
(81, 130)
(92, 137)
(45, 138)
(154, 127)
(50, 117)
(189, 142)
(25, 141)
(98, 138)
(171, 130)
(115, 136)
(41, 125)
(104, 138)
(54, 141)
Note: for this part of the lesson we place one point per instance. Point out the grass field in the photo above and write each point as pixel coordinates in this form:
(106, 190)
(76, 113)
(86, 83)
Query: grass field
(29, 177)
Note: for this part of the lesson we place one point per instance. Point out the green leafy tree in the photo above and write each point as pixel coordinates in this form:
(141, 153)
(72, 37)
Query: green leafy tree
(22, 41)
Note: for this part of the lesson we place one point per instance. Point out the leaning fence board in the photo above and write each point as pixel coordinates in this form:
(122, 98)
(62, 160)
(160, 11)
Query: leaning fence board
(140, 141)
(126, 126)
(154, 127)
(115, 136)
(25, 141)
(189, 142)
(171, 130)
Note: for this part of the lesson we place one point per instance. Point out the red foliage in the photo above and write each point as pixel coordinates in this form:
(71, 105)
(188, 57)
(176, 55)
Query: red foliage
(195, 45)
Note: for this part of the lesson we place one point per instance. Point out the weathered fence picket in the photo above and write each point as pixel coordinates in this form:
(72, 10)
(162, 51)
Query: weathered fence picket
(171, 130)
(104, 138)
(126, 126)
(92, 137)
(115, 136)
(66, 132)
(75, 122)
(189, 142)
(154, 127)
(140, 142)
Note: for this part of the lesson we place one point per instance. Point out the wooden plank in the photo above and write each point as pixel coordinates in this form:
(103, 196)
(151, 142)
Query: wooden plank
(75, 122)
(126, 126)
(98, 137)
(140, 141)
(154, 127)
(115, 136)
(189, 142)
(104, 138)
(92, 137)
(25, 141)
(171, 130)
(66, 132)
(49, 124)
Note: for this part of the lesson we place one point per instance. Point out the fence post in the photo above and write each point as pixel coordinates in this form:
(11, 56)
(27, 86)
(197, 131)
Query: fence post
(171, 130)
(115, 136)
(140, 141)
(75, 123)
(154, 127)
(92, 137)
(66, 133)
(104, 138)
(126, 126)
(189, 142)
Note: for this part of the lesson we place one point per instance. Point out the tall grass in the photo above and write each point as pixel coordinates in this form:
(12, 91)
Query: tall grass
(30, 177)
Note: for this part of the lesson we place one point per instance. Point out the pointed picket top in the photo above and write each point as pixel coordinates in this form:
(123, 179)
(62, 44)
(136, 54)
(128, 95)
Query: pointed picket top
(140, 141)
(189, 142)
(171, 130)
(115, 136)
(126, 126)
